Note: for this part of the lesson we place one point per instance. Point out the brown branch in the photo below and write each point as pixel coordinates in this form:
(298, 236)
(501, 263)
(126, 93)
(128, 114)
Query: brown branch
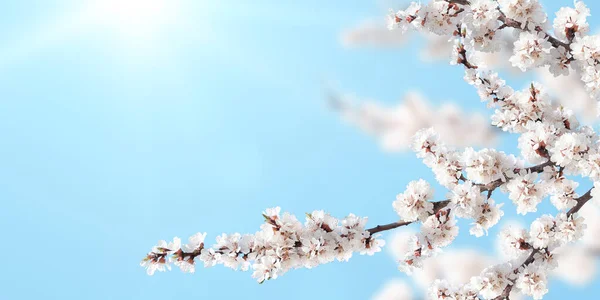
(498, 182)
(379, 228)
(508, 22)
(580, 202)
(461, 2)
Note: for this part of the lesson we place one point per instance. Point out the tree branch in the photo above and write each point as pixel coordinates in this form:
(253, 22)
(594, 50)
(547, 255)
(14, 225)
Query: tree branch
(581, 201)
(508, 22)
(518, 25)
(498, 182)
(379, 228)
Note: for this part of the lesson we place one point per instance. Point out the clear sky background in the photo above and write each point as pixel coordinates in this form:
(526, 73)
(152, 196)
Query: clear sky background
(118, 130)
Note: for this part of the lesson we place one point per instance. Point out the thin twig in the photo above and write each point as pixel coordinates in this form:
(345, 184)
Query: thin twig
(379, 228)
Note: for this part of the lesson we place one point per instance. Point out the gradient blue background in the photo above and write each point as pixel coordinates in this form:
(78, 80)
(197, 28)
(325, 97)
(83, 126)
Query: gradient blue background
(106, 147)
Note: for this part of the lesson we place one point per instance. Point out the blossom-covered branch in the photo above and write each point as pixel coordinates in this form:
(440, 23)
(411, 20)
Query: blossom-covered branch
(551, 140)
(531, 281)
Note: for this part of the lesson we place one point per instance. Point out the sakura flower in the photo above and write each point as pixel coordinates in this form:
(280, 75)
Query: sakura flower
(571, 22)
(492, 281)
(524, 192)
(542, 231)
(528, 12)
(530, 50)
(487, 215)
(466, 198)
(414, 203)
(532, 281)
(564, 194)
(569, 149)
(487, 165)
(440, 229)
(568, 228)
(513, 241)
(441, 289)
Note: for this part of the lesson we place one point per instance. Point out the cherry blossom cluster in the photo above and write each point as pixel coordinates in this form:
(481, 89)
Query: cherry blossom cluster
(283, 243)
(551, 137)
(532, 259)
(576, 263)
(482, 21)
(567, 89)
(554, 148)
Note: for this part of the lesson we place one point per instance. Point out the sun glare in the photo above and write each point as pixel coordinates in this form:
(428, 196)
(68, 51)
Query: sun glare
(136, 18)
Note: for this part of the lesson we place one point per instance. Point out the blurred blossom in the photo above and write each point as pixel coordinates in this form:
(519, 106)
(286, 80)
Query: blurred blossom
(499, 242)
(372, 34)
(591, 214)
(455, 266)
(394, 289)
(395, 126)
(576, 265)
(399, 243)
(437, 48)
(570, 92)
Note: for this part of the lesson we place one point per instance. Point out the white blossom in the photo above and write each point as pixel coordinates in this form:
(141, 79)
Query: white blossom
(568, 229)
(492, 281)
(440, 229)
(513, 241)
(569, 149)
(528, 12)
(571, 22)
(563, 194)
(466, 198)
(442, 289)
(487, 165)
(414, 203)
(487, 215)
(530, 50)
(533, 281)
(440, 17)
(542, 231)
(525, 193)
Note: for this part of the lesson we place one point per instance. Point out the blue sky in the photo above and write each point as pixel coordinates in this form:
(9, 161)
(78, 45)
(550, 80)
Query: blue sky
(115, 139)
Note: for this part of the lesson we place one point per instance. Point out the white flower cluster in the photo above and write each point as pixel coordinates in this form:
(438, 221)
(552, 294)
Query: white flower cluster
(576, 263)
(527, 12)
(531, 278)
(531, 50)
(525, 193)
(438, 231)
(571, 22)
(479, 23)
(465, 199)
(414, 203)
(489, 165)
(551, 137)
(283, 243)
(445, 162)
